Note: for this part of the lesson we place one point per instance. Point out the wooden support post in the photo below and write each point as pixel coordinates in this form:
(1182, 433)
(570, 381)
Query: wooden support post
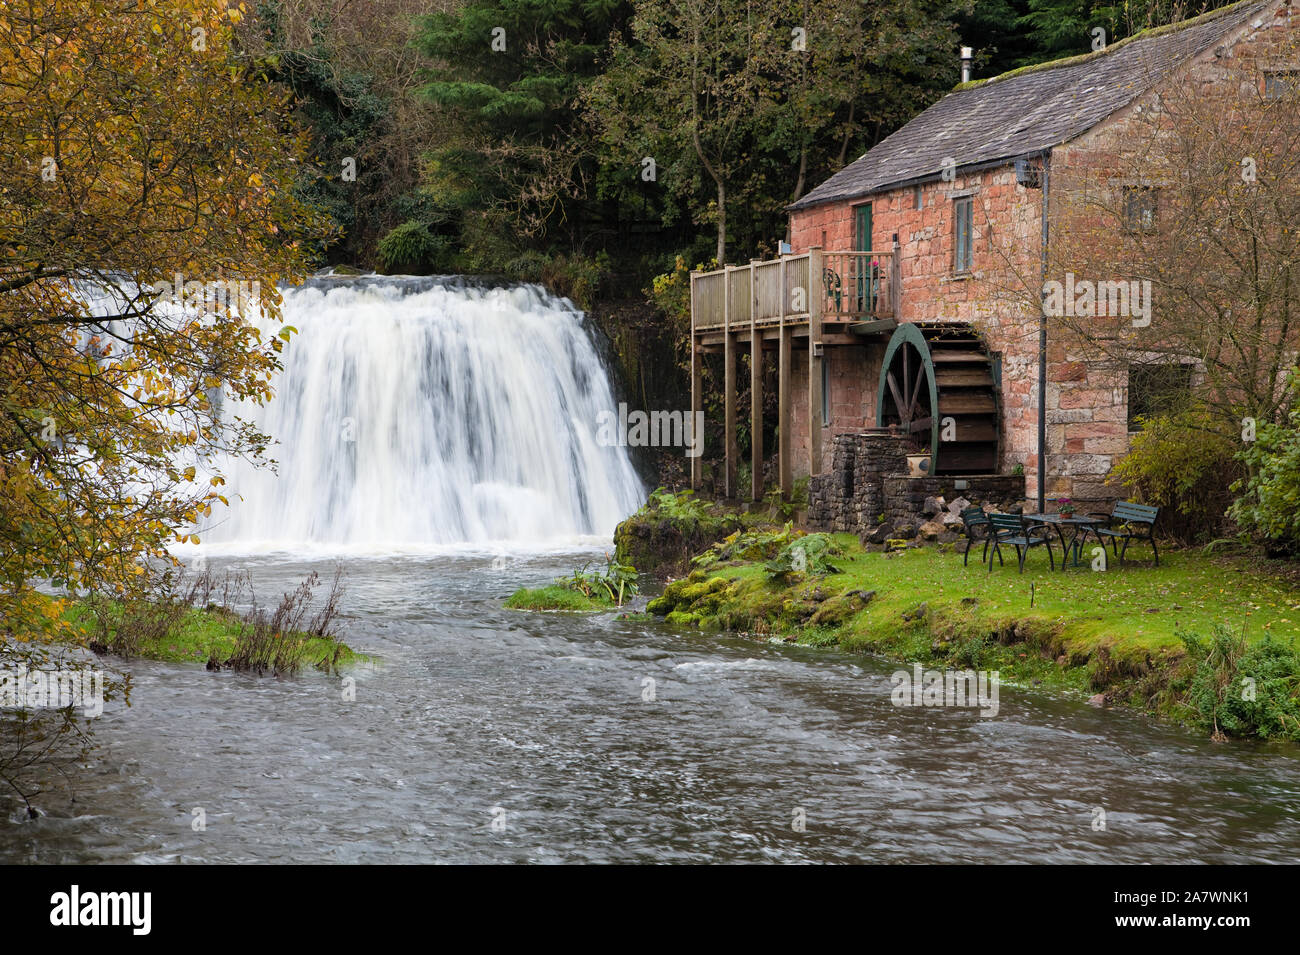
(816, 299)
(755, 388)
(729, 386)
(696, 446)
(783, 415)
(896, 282)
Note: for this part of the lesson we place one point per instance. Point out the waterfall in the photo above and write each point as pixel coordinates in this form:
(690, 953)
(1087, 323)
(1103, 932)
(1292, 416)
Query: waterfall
(414, 412)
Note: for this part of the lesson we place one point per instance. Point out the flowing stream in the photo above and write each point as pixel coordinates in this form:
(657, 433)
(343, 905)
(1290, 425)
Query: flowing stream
(482, 734)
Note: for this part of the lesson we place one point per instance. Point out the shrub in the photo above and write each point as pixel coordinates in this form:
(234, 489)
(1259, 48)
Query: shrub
(1241, 689)
(748, 546)
(1184, 465)
(679, 505)
(807, 555)
(671, 294)
(615, 584)
(1269, 501)
(410, 248)
(576, 278)
(278, 644)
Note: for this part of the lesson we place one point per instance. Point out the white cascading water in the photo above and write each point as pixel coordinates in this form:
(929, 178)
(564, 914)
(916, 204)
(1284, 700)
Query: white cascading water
(428, 412)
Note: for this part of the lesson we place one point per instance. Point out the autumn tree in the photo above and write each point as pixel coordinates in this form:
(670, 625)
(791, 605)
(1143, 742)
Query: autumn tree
(138, 146)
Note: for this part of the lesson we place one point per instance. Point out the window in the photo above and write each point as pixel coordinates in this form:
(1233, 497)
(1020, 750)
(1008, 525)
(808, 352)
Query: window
(1139, 208)
(826, 393)
(1156, 389)
(1279, 83)
(963, 231)
(918, 197)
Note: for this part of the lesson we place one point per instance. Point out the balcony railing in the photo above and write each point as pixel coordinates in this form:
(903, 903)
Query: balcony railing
(835, 286)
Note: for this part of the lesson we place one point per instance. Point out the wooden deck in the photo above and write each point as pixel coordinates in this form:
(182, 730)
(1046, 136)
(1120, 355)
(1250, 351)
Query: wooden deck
(820, 298)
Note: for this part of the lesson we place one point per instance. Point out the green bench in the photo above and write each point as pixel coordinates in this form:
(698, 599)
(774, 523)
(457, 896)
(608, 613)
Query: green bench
(1129, 521)
(978, 528)
(1012, 529)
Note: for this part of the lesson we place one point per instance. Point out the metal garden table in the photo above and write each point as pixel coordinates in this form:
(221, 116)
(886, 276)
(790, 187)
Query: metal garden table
(1079, 528)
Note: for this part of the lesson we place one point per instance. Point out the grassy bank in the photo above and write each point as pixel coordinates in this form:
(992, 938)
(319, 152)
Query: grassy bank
(191, 621)
(1177, 639)
(555, 597)
(200, 636)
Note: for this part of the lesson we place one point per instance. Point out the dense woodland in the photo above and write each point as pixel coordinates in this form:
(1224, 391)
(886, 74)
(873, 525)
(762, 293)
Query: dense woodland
(572, 139)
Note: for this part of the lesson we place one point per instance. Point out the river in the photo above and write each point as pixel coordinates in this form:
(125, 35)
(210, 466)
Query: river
(482, 734)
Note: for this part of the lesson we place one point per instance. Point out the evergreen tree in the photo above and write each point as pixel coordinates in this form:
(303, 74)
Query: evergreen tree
(505, 75)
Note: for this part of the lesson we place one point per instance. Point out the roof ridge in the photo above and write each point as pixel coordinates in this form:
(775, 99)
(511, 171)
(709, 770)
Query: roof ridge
(1110, 48)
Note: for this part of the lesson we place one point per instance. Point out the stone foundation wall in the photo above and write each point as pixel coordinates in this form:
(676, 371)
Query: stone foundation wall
(851, 493)
(867, 480)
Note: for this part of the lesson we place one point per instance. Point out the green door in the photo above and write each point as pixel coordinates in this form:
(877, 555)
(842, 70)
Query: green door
(862, 228)
(864, 274)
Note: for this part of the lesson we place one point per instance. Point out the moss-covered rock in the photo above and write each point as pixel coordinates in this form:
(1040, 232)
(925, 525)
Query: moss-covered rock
(658, 544)
(838, 609)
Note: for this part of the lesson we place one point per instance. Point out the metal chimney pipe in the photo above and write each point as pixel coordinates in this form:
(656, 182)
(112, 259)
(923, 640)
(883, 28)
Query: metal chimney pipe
(967, 54)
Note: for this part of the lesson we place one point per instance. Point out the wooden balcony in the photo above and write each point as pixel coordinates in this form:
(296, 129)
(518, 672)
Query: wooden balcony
(837, 290)
(820, 298)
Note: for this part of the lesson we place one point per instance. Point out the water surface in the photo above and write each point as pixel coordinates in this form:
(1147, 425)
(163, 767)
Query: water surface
(472, 708)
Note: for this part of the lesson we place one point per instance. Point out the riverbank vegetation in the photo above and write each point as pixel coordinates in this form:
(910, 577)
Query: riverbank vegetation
(583, 590)
(199, 620)
(151, 207)
(109, 419)
(1203, 639)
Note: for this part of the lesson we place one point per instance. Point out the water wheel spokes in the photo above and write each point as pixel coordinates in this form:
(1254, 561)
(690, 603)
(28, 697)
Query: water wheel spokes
(937, 387)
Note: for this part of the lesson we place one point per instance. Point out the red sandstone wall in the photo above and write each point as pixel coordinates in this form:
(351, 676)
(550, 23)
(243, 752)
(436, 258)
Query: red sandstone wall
(1006, 240)
(854, 372)
(1087, 399)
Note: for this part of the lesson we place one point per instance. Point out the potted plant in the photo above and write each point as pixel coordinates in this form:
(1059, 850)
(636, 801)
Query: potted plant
(1065, 507)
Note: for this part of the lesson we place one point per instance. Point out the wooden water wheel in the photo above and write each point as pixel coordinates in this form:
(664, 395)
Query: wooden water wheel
(936, 385)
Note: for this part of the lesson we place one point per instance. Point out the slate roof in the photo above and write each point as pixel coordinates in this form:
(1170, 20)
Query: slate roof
(1029, 110)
